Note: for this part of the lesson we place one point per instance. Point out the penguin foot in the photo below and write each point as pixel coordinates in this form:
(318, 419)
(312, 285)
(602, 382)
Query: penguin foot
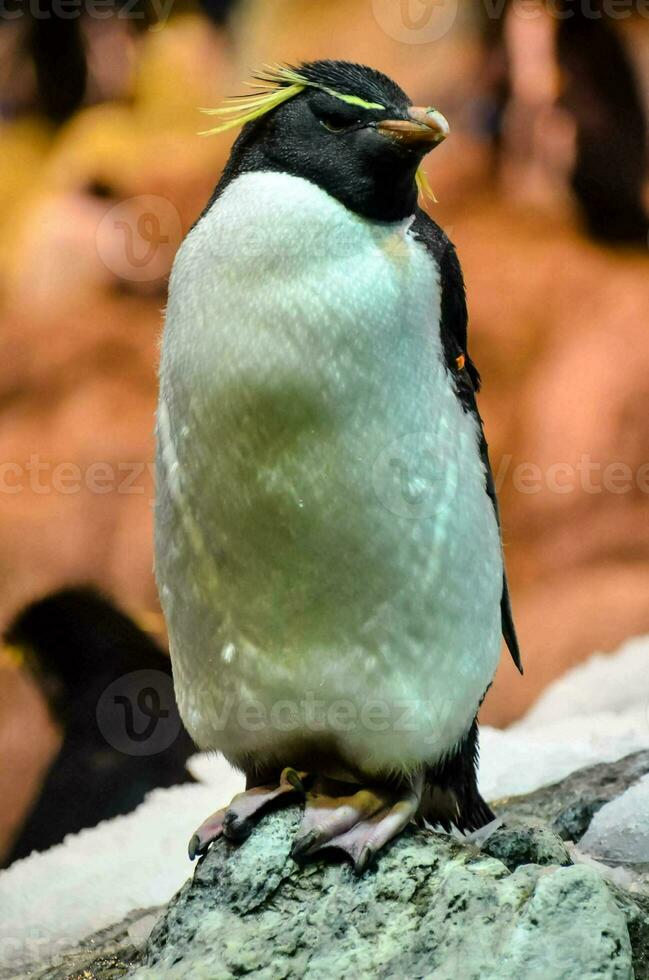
(360, 824)
(237, 820)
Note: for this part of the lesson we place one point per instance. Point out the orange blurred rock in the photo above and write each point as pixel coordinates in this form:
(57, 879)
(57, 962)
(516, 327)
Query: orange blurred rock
(29, 741)
(558, 329)
(76, 445)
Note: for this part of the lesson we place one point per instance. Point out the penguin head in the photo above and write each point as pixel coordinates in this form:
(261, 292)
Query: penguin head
(75, 642)
(345, 127)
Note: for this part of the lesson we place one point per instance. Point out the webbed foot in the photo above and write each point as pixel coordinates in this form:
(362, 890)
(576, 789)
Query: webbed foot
(340, 816)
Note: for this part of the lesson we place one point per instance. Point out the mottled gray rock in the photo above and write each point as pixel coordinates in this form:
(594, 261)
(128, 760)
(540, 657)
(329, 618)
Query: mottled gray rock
(526, 845)
(432, 907)
(107, 955)
(567, 809)
(636, 911)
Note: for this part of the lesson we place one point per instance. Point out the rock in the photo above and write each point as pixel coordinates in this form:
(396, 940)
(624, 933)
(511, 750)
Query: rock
(568, 807)
(636, 910)
(108, 954)
(527, 845)
(434, 906)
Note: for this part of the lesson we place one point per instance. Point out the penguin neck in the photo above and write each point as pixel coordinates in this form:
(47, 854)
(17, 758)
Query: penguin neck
(388, 194)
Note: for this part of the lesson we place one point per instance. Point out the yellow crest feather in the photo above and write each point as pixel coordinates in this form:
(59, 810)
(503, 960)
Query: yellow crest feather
(243, 109)
(423, 185)
(276, 84)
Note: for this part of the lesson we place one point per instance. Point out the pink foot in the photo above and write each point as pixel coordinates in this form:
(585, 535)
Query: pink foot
(360, 824)
(236, 821)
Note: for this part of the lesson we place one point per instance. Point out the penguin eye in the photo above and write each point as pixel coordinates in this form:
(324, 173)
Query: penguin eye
(336, 123)
(333, 115)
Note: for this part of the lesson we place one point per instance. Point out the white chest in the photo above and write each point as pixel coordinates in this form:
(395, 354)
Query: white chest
(322, 522)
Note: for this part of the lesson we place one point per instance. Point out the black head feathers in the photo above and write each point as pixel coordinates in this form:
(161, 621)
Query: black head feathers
(352, 79)
(76, 640)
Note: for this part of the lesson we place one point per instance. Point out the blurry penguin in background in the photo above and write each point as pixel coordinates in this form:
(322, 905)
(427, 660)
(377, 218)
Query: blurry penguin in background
(108, 685)
(54, 51)
(601, 91)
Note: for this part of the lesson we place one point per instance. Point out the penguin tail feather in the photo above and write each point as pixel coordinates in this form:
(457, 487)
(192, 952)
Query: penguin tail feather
(447, 809)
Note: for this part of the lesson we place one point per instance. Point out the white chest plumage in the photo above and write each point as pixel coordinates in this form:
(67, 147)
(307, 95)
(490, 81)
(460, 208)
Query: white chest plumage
(328, 559)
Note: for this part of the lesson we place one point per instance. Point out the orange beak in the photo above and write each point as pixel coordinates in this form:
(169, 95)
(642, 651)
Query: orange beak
(425, 127)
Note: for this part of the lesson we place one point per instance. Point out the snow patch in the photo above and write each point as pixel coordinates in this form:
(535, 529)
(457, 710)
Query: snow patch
(49, 901)
(522, 758)
(604, 683)
(620, 830)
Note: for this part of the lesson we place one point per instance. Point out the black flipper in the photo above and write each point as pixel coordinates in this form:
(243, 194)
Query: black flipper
(453, 327)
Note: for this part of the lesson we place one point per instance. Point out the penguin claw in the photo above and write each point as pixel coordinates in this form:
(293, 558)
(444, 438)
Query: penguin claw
(304, 844)
(294, 779)
(209, 831)
(364, 860)
(358, 824)
(195, 848)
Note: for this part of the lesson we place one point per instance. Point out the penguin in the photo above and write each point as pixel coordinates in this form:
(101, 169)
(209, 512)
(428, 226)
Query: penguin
(328, 549)
(103, 677)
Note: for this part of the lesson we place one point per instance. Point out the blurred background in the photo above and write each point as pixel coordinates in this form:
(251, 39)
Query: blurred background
(543, 187)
